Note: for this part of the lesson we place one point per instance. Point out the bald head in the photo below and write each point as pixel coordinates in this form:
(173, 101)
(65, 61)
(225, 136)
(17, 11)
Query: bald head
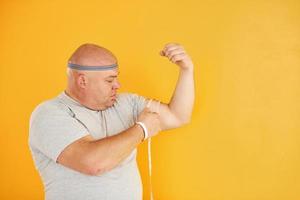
(92, 76)
(92, 55)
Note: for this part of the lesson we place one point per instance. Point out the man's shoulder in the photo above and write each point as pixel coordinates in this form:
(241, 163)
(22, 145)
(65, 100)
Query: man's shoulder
(47, 105)
(47, 108)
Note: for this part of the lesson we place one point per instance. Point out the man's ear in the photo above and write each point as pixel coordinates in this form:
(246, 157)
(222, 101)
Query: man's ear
(82, 81)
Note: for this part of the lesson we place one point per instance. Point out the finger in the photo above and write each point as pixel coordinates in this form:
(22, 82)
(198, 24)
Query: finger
(146, 110)
(155, 106)
(167, 53)
(169, 49)
(149, 103)
(172, 53)
(177, 58)
(171, 44)
(158, 107)
(174, 58)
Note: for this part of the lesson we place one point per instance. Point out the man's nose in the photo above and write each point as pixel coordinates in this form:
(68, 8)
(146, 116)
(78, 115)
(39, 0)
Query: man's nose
(117, 85)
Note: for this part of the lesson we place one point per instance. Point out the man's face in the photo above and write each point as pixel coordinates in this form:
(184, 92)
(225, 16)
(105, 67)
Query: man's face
(103, 86)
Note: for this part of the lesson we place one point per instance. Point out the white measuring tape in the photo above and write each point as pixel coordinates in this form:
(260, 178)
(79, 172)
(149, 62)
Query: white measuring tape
(150, 168)
(156, 109)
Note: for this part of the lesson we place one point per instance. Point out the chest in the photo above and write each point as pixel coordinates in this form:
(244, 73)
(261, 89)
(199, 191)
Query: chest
(101, 124)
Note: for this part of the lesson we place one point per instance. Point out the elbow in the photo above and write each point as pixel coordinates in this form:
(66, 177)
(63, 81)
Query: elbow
(94, 167)
(179, 123)
(184, 121)
(176, 122)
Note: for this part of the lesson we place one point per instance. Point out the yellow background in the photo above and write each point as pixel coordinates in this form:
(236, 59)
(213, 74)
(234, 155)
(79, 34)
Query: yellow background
(243, 142)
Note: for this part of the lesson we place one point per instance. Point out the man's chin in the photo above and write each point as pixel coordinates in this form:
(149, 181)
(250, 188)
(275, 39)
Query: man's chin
(111, 103)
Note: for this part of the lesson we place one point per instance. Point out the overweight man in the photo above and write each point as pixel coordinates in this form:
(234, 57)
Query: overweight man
(84, 141)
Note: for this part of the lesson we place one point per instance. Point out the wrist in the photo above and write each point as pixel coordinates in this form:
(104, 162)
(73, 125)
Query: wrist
(145, 130)
(138, 129)
(189, 69)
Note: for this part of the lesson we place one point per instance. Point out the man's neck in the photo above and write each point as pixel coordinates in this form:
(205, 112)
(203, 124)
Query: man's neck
(83, 100)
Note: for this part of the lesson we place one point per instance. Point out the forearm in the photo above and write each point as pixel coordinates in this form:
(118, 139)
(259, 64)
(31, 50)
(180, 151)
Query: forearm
(182, 101)
(108, 152)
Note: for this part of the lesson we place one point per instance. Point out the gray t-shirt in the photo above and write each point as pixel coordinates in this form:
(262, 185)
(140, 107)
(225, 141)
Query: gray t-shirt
(58, 122)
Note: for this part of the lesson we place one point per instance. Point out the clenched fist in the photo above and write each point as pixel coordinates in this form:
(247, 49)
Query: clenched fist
(176, 54)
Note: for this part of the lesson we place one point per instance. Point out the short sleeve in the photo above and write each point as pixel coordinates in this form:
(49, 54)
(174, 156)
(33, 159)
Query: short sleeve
(138, 103)
(53, 128)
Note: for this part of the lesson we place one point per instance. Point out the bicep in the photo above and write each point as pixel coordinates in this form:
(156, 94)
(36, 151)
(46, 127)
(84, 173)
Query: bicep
(168, 120)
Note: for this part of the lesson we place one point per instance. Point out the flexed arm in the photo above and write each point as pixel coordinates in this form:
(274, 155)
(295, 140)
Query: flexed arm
(178, 111)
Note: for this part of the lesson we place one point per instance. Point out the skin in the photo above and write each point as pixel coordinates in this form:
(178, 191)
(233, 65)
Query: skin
(97, 90)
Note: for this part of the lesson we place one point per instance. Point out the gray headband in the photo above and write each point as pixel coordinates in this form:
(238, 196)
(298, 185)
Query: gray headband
(92, 68)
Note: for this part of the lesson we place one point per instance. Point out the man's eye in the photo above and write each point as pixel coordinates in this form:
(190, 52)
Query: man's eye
(109, 81)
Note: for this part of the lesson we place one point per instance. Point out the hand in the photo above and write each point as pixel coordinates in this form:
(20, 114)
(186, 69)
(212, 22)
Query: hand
(151, 121)
(176, 54)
